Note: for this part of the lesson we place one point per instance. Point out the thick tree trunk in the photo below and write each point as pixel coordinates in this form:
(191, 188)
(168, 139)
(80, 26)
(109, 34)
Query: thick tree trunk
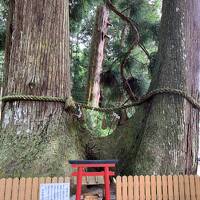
(169, 142)
(97, 55)
(172, 127)
(37, 63)
(162, 138)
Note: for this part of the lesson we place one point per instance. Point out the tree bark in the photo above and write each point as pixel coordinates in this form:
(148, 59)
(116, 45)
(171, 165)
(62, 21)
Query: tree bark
(162, 137)
(169, 142)
(37, 63)
(96, 55)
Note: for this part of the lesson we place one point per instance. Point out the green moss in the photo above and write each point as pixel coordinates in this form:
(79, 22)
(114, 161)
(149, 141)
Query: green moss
(41, 154)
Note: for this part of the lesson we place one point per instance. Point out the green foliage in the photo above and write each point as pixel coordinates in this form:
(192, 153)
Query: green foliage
(79, 10)
(146, 14)
(100, 124)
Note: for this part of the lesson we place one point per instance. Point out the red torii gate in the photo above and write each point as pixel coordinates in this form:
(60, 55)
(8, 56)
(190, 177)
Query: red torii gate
(81, 165)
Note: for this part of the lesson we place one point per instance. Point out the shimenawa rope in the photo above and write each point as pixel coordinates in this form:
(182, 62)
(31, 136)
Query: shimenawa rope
(70, 103)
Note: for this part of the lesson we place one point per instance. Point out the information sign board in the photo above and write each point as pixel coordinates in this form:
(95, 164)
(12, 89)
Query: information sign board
(55, 191)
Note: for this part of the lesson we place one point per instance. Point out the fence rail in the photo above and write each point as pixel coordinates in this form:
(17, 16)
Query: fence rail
(158, 188)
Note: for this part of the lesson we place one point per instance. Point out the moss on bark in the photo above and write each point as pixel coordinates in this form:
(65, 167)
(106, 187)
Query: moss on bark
(40, 154)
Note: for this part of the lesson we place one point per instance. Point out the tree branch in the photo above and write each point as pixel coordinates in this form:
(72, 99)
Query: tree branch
(135, 42)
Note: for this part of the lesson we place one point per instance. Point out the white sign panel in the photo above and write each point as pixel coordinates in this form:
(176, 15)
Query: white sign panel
(55, 191)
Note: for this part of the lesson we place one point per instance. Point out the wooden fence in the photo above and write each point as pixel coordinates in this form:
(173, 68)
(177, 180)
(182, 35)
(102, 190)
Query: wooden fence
(28, 188)
(127, 188)
(24, 188)
(158, 188)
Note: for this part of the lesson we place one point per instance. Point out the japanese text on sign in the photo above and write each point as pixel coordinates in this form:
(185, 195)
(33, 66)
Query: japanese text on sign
(55, 191)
